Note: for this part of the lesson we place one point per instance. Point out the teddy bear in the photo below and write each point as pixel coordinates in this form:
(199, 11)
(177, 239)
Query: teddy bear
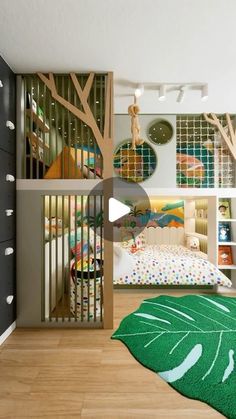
(193, 243)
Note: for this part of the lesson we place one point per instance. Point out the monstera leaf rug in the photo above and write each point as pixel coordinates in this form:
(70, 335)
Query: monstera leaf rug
(190, 342)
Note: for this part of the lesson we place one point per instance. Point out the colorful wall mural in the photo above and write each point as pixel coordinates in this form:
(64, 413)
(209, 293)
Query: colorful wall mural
(167, 213)
(162, 213)
(195, 166)
(74, 210)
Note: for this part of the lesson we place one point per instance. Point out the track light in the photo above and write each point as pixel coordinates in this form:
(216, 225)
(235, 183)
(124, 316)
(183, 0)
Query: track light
(181, 94)
(163, 88)
(139, 90)
(204, 93)
(162, 93)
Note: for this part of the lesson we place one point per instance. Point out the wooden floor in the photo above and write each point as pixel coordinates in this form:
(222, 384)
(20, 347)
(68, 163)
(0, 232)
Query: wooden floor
(85, 374)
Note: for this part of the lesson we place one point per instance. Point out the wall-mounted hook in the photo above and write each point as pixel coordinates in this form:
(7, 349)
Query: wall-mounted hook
(10, 178)
(9, 299)
(10, 125)
(9, 212)
(9, 251)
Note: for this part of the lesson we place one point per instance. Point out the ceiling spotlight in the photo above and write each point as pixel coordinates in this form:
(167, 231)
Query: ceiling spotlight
(204, 93)
(162, 93)
(1, 83)
(139, 90)
(181, 94)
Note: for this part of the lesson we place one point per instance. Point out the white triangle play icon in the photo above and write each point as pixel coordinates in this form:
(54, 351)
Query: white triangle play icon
(117, 209)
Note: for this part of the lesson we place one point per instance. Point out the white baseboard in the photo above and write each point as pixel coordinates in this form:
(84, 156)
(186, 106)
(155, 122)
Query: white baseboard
(7, 332)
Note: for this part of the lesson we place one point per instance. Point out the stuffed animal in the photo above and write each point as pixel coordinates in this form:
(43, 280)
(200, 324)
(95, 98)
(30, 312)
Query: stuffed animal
(56, 227)
(133, 111)
(193, 244)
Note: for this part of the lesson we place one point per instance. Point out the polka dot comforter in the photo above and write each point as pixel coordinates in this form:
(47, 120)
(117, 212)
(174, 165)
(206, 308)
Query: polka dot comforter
(171, 265)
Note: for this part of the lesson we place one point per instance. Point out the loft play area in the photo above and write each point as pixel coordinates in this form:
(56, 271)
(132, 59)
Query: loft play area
(185, 163)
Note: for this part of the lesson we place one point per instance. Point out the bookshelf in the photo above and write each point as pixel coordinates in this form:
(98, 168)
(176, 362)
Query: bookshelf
(226, 236)
(226, 267)
(36, 136)
(37, 140)
(38, 121)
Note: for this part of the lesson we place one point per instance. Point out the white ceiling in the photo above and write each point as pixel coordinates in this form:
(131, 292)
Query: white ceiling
(140, 40)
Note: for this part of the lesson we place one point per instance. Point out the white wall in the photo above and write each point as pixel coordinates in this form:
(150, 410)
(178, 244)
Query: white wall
(153, 41)
(165, 173)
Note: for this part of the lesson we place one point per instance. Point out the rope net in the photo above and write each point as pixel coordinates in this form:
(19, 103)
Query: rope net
(203, 159)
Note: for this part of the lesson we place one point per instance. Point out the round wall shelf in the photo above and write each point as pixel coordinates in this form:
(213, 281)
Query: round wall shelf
(134, 165)
(160, 132)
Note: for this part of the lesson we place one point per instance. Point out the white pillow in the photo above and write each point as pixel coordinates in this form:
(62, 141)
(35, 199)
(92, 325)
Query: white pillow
(123, 262)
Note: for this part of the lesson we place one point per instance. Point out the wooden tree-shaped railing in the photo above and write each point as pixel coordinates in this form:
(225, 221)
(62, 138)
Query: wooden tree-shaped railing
(105, 143)
(230, 138)
(104, 140)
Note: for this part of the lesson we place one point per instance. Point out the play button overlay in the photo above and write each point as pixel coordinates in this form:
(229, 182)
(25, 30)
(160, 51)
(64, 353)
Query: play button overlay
(118, 211)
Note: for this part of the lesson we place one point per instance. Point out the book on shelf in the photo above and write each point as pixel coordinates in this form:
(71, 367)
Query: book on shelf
(37, 114)
(224, 210)
(225, 255)
(224, 232)
(31, 103)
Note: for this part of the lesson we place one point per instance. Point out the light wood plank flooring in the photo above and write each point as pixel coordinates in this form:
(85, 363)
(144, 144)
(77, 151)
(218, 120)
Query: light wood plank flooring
(84, 374)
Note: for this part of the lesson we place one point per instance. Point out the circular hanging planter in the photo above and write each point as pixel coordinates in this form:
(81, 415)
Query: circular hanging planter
(134, 165)
(160, 132)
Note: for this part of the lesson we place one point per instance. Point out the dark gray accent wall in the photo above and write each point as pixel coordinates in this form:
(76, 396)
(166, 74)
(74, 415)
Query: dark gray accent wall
(7, 195)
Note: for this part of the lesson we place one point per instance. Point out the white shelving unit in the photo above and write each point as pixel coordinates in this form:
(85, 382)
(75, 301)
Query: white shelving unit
(226, 243)
(232, 221)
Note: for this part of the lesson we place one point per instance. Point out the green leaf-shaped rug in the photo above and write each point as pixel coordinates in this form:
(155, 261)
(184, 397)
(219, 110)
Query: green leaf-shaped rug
(190, 342)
